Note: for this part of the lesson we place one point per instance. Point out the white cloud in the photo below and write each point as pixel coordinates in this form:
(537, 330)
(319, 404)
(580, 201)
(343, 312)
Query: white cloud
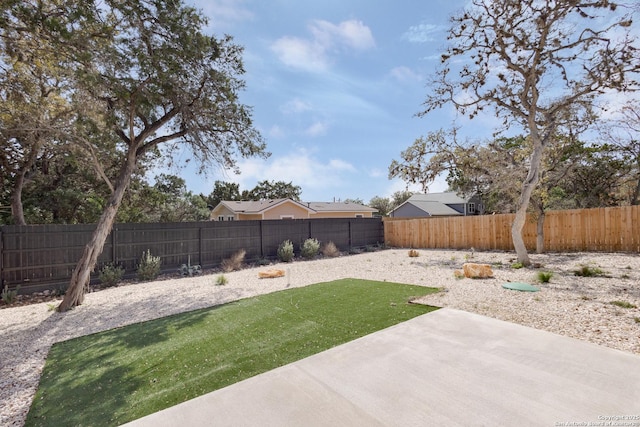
(423, 33)
(302, 54)
(317, 129)
(405, 74)
(350, 33)
(295, 106)
(301, 168)
(222, 12)
(312, 54)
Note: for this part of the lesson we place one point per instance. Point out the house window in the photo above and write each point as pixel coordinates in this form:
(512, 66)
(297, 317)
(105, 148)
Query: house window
(230, 218)
(286, 216)
(359, 216)
(220, 218)
(472, 208)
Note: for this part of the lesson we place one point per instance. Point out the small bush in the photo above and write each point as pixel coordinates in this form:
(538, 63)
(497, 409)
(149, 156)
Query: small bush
(221, 280)
(544, 276)
(234, 262)
(413, 253)
(517, 265)
(285, 251)
(149, 267)
(310, 248)
(623, 304)
(262, 262)
(587, 271)
(9, 297)
(330, 250)
(110, 275)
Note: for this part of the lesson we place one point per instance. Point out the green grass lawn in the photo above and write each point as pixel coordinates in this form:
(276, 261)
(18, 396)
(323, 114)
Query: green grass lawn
(110, 378)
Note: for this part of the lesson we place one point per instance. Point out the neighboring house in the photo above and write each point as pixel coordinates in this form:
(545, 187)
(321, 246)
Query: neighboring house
(287, 209)
(438, 204)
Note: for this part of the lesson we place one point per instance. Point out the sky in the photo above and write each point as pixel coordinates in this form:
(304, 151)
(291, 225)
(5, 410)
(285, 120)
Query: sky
(334, 86)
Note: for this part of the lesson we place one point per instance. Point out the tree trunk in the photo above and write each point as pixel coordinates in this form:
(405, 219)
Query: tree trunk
(82, 273)
(528, 186)
(17, 210)
(540, 232)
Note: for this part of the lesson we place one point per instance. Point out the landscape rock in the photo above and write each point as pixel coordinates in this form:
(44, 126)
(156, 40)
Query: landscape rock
(477, 271)
(270, 274)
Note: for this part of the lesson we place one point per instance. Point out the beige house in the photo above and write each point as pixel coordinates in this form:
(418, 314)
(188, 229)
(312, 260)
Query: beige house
(287, 209)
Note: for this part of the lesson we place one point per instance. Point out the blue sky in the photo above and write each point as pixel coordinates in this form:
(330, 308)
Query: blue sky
(334, 87)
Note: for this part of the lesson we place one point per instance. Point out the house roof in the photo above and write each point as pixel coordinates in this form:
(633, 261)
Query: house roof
(435, 204)
(446, 198)
(256, 206)
(259, 206)
(339, 207)
(434, 208)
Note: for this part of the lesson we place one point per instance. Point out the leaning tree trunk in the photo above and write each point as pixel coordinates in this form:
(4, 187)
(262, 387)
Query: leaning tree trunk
(82, 272)
(528, 186)
(17, 210)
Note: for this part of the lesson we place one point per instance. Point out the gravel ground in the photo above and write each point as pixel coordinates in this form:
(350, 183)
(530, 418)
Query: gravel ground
(579, 307)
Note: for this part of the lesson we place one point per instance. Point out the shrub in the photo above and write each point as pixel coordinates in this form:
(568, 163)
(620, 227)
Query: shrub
(234, 262)
(623, 304)
(149, 267)
(330, 250)
(586, 271)
(310, 248)
(9, 297)
(544, 276)
(413, 253)
(110, 275)
(221, 280)
(285, 251)
(517, 265)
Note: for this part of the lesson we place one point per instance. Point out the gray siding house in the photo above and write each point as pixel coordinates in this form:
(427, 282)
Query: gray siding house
(438, 204)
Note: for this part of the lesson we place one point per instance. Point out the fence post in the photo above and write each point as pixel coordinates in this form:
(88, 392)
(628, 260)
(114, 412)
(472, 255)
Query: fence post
(200, 261)
(261, 240)
(114, 242)
(1, 259)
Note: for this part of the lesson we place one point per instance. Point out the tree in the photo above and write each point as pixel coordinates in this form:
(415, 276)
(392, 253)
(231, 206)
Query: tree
(32, 101)
(267, 190)
(160, 81)
(623, 135)
(399, 197)
(223, 191)
(533, 62)
(383, 204)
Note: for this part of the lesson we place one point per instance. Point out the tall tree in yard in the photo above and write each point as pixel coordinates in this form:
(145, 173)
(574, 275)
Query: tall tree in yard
(536, 63)
(161, 81)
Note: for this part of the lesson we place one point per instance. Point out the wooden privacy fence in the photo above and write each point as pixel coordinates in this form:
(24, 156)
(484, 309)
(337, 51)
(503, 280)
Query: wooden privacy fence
(614, 229)
(40, 257)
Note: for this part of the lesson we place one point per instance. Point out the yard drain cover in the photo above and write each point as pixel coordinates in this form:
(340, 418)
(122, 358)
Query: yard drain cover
(524, 287)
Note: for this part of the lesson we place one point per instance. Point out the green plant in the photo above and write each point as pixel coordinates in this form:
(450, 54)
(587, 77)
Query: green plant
(9, 297)
(623, 304)
(188, 269)
(544, 276)
(262, 262)
(221, 280)
(636, 319)
(149, 267)
(285, 251)
(234, 262)
(310, 248)
(517, 265)
(330, 250)
(588, 271)
(110, 275)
